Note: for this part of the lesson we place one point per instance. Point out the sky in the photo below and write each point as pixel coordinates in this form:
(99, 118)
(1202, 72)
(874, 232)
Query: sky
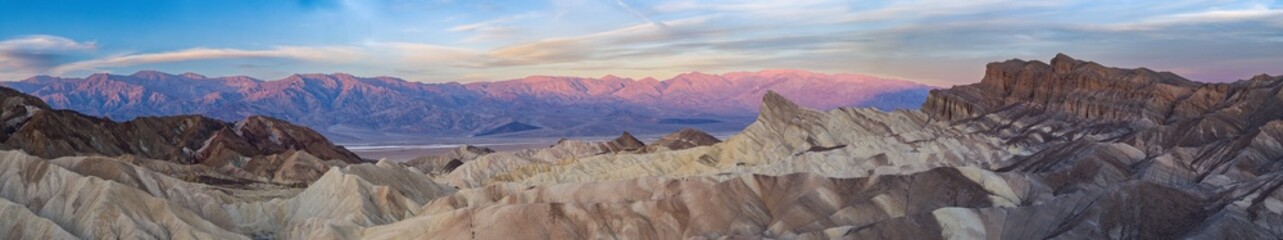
(937, 42)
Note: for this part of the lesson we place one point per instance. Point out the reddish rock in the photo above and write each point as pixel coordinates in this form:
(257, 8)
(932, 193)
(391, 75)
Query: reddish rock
(32, 126)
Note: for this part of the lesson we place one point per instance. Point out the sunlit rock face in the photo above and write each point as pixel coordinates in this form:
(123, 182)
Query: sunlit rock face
(1067, 150)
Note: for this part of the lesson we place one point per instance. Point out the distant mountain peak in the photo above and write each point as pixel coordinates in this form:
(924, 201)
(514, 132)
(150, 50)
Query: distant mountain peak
(150, 73)
(1064, 63)
(99, 76)
(787, 71)
(385, 104)
(192, 75)
(613, 77)
(1262, 77)
(777, 106)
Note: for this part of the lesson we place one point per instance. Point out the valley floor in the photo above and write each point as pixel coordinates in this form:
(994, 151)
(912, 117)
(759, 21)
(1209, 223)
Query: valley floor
(401, 151)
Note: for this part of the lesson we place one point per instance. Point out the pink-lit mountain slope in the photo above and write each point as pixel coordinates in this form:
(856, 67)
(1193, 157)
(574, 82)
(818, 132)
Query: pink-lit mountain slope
(345, 106)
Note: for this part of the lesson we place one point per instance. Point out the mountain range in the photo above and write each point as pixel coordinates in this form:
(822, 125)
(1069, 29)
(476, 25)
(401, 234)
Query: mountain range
(1065, 149)
(351, 108)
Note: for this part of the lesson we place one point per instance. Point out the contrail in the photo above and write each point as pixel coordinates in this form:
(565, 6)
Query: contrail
(639, 14)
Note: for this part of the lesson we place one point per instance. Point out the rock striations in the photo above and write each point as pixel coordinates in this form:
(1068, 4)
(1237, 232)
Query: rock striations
(683, 139)
(1066, 150)
(33, 127)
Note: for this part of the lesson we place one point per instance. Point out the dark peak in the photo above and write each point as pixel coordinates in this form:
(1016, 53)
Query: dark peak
(777, 109)
(686, 131)
(774, 102)
(1063, 57)
(473, 150)
(314, 75)
(626, 141)
(309, 77)
(626, 136)
(1063, 63)
(99, 76)
(690, 134)
(13, 100)
(686, 138)
(1262, 77)
(258, 121)
(390, 79)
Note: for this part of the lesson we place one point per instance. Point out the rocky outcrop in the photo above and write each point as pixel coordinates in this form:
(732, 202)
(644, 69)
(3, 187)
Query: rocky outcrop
(746, 206)
(1079, 89)
(624, 143)
(343, 198)
(46, 132)
(683, 139)
(88, 196)
(1086, 144)
(34, 127)
(20, 223)
(90, 207)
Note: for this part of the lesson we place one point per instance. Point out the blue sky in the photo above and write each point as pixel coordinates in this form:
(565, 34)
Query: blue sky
(932, 41)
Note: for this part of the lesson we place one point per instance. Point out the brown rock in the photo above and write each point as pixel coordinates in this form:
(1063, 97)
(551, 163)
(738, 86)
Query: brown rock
(683, 139)
(31, 126)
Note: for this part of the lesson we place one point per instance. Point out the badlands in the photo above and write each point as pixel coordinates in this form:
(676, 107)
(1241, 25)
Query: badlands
(1068, 149)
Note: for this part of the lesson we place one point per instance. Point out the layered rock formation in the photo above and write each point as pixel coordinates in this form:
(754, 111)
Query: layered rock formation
(683, 139)
(1066, 150)
(1076, 149)
(442, 164)
(257, 144)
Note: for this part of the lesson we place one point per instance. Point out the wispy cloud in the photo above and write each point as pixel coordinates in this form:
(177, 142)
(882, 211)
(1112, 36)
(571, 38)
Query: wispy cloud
(43, 43)
(36, 54)
(319, 54)
(595, 46)
(638, 14)
(419, 54)
(939, 42)
(492, 30)
(1258, 13)
(793, 10)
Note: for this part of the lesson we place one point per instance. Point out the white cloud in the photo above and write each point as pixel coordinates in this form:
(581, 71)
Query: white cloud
(944, 40)
(909, 10)
(492, 30)
(317, 54)
(418, 54)
(34, 54)
(36, 43)
(763, 9)
(592, 46)
(1257, 13)
(638, 14)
